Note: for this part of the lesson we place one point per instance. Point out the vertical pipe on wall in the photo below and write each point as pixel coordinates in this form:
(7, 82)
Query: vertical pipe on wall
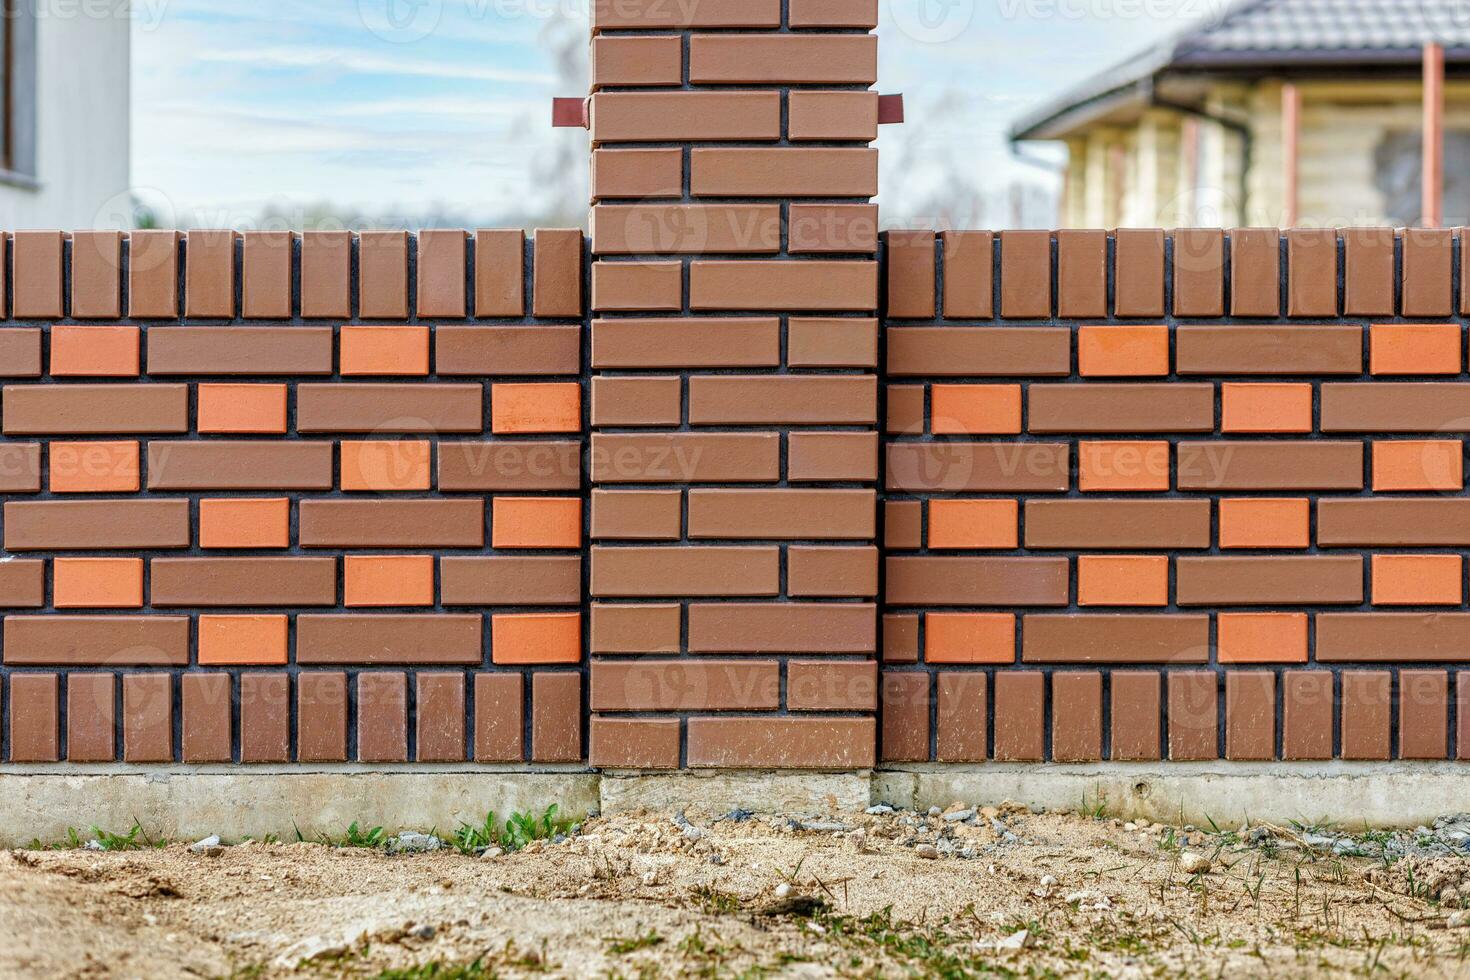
(1433, 182)
(1291, 130)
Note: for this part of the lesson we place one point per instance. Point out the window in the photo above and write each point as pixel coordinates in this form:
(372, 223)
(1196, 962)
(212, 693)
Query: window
(1398, 172)
(18, 58)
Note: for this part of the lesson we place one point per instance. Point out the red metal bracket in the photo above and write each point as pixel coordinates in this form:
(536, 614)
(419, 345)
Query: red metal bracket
(569, 113)
(890, 109)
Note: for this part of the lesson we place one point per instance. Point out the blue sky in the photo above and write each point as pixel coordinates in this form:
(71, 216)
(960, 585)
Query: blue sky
(405, 107)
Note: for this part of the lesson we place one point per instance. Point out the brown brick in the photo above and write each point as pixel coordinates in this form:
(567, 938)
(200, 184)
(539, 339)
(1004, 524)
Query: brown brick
(153, 275)
(1076, 716)
(20, 351)
(841, 686)
(1276, 465)
(832, 456)
(557, 273)
(1250, 715)
(441, 273)
(35, 718)
(978, 466)
(326, 274)
(911, 275)
(556, 717)
(1426, 262)
(675, 685)
(637, 401)
(635, 628)
(653, 14)
(96, 525)
(509, 466)
(1020, 716)
(684, 458)
(552, 580)
(783, 514)
(632, 572)
(96, 280)
(832, 115)
(147, 718)
(37, 283)
(1082, 273)
(240, 350)
(961, 717)
(901, 639)
(636, 61)
(382, 717)
(1366, 705)
(1462, 716)
(778, 285)
(634, 743)
(667, 229)
(384, 408)
(790, 627)
(844, 572)
(963, 581)
(1309, 580)
(1393, 406)
(1025, 274)
(85, 409)
(1423, 706)
(220, 465)
(499, 713)
(640, 174)
(834, 13)
(1431, 522)
(383, 275)
(209, 274)
(500, 275)
(832, 228)
(22, 584)
(392, 524)
(205, 729)
(968, 274)
(903, 524)
(1135, 715)
(540, 350)
(686, 343)
(659, 117)
(243, 581)
(905, 733)
(1311, 259)
(266, 275)
(792, 399)
(1138, 288)
(906, 412)
(1255, 272)
(651, 515)
(1306, 718)
(1114, 408)
(782, 743)
(784, 172)
(84, 641)
(362, 639)
(637, 286)
(1370, 637)
(20, 467)
(1115, 638)
(979, 351)
(1369, 271)
(1199, 272)
(321, 716)
(770, 59)
(1117, 524)
(265, 717)
(91, 718)
(1268, 350)
(837, 342)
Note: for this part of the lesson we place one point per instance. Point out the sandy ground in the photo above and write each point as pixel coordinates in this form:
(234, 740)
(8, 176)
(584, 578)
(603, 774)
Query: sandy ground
(642, 896)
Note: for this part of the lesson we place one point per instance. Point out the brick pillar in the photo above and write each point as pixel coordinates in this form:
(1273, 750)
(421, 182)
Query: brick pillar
(734, 411)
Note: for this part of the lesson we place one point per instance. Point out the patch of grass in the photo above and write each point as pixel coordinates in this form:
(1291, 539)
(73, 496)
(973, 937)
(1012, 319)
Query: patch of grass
(356, 836)
(134, 840)
(713, 901)
(916, 949)
(1097, 809)
(518, 831)
(440, 971)
(632, 944)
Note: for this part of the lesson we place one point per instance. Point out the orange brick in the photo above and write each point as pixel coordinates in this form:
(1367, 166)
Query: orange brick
(386, 466)
(976, 409)
(972, 523)
(388, 580)
(536, 408)
(94, 467)
(1419, 464)
(536, 638)
(1114, 466)
(1250, 522)
(1123, 580)
(536, 522)
(1263, 638)
(1114, 351)
(242, 408)
(385, 350)
(97, 583)
(1408, 348)
(1418, 580)
(245, 523)
(1266, 407)
(970, 638)
(94, 352)
(241, 640)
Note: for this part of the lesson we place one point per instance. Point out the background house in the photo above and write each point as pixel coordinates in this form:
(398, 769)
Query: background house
(64, 140)
(1278, 112)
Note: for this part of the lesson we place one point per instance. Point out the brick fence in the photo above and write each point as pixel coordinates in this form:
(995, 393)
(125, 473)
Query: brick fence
(736, 482)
